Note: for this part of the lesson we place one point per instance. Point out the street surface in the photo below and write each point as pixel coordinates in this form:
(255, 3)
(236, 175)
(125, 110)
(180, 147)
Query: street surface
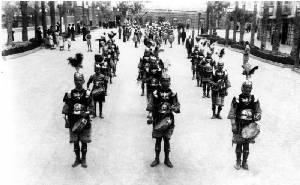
(122, 148)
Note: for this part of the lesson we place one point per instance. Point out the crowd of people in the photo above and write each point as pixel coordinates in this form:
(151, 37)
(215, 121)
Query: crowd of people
(207, 67)
(80, 104)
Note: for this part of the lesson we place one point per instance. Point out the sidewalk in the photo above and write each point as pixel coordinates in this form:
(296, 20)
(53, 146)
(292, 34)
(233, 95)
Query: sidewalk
(283, 48)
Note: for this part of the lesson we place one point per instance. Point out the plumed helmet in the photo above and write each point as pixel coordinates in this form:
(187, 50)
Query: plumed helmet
(246, 87)
(220, 63)
(165, 78)
(208, 68)
(78, 78)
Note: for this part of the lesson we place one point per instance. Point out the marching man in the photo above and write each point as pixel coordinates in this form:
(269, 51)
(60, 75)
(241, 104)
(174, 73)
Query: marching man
(163, 102)
(244, 111)
(220, 83)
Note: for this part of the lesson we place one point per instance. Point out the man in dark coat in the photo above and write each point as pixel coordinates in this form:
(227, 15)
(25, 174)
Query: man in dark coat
(183, 36)
(189, 44)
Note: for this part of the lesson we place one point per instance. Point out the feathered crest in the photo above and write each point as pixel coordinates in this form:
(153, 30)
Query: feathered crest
(77, 61)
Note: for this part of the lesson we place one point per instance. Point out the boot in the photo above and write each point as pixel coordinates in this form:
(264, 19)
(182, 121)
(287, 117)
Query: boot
(204, 95)
(156, 160)
(244, 163)
(83, 159)
(167, 160)
(238, 161)
(142, 93)
(219, 111)
(208, 96)
(214, 112)
(77, 160)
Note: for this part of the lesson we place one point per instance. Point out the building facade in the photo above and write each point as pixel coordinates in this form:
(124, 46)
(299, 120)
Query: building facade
(289, 11)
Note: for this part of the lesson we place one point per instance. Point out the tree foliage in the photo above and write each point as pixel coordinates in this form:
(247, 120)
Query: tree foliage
(134, 7)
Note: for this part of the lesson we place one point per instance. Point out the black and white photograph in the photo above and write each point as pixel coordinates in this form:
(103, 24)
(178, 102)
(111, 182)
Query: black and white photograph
(150, 92)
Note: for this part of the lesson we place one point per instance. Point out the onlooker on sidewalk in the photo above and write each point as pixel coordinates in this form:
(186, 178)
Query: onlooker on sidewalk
(88, 38)
(246, 53)
(69, 42)
(61, 42)
(183, 36)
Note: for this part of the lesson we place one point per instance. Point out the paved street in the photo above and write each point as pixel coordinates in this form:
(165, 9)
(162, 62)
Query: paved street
(122, 148)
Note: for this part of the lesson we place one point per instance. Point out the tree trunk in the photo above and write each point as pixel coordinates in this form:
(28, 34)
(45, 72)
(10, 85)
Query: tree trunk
(242, 24)
(211, 22)
(64, 9)
(44, 22)
(227, 28)
(9, 21)
(253, 26)
(52, 13)
(278, 24)
(83, 15)
(296, 41)
(264, 25)
(36, 17)
(94, 20)
(207, 18)
(235, 21)
(24, 11)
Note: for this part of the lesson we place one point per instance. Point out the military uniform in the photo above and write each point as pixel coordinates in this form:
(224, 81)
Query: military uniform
(79, 107)
(206, 77)
(244, 110)
(163, 102)
(219, 85)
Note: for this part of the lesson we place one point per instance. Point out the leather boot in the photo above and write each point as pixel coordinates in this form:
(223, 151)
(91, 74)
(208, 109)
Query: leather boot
(167, 160)
(156, 160)
(238, 160)
(83, 159)
(77, 159)
(244, 163)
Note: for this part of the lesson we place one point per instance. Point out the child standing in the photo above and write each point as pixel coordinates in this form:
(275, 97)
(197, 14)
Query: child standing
(61, 42)
(69, 42)
(88, 38)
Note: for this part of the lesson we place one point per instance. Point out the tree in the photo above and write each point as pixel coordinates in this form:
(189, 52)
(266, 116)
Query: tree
(9, 8)
(242, 24)
(52, 13)
(253, 25)
(278, 24)
(264, 25)
(94, 23)
(24, 12)
(296, 43)
(208, 17)
(235, 20)
(123, 7)
(227, 28)
(44, 23)
(36, 17)
(136, 8)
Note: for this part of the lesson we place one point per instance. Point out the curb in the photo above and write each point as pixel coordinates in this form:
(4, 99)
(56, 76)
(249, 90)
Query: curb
(263, 60)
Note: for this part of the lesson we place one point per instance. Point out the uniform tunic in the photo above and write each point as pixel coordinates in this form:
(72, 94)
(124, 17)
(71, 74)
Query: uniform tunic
(244, 109)
(79, 102)
(220, 84)
(158, 98)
